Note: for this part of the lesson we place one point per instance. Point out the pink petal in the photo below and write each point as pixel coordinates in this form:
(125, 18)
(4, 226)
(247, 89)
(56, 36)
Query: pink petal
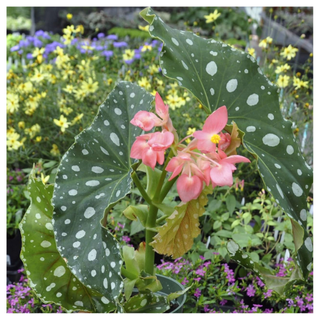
(236, 159)
(216, 121)
(144, 120)
(161, 141)
(137, 148)
(189, 188)
(161, 109)
(206, 146)
(149, 157)
(222, 175)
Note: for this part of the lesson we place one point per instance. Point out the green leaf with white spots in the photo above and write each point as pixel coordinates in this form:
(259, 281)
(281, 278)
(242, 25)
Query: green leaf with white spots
(272, 281)
(94, 174)
(47, 271)
(218, 75)
(147, 303)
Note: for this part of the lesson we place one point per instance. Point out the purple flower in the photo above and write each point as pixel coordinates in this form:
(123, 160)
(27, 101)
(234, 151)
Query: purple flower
(112, 37)
(29, 56)
(268, 293)
(290, 303)
(206, 308)
(107, 54)
(251, 290)
(126, 239)
(15, 48)
(309, 297)
(120, 44)
(200, 272)
(37, 42)
(268, 311)
(100, 35)
(197, 293)
(223, 302)
(185, 281)
(43, 34)
(197, 279)
(259, 282)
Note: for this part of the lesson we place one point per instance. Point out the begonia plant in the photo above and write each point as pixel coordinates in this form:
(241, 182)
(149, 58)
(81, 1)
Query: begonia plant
(70, 256)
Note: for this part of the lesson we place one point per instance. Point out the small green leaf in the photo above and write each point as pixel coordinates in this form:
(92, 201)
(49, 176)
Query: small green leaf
(175, 295)
(231, 203)
(217, 224)
(140, 211)
(235, 223)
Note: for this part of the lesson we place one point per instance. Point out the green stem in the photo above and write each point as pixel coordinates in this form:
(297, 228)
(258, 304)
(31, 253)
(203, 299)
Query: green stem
(141, 189)
(150, 254)
(167, 187)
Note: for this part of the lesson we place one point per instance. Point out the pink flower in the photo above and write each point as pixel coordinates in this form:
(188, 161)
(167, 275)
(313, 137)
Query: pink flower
(189, 187)
(209, 136)
(150, 147)
(221, 175)
(145, 120)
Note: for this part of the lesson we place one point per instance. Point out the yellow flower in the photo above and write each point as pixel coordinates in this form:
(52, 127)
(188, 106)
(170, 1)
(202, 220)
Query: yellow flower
(79, 94)
(77, 119)
(67, 38)
(109, 81)
(26, 87)
(153, 69)
(12, 141)
(32, 102)
(146, 47)
(144, 83)
(69, 16)
(173, 101)
(87, 47)
(38, 138)
(80, 29)
(212, 16)
(289, 52)
(59, 51)
(66, 110)
(69, 88)
(62, 122)
(12, 103)
(89, 86)
(38, 53)
(55, 150)
(44, 179)
(283, 81)
(128, 55)
(145, 28)
(252, 52)
(21, 124)
(298, 84)
(69, 29)
(283, 68)
(39, 75)
(191, 131)
(264, 43)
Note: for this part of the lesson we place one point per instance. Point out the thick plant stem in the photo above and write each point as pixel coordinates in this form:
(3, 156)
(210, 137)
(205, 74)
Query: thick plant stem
(150, 254)
(141, 189)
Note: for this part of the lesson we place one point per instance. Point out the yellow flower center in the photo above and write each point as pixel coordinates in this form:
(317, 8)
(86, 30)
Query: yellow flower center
(215, 138)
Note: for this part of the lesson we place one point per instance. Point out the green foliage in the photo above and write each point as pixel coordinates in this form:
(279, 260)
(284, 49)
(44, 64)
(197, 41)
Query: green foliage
(132, 33)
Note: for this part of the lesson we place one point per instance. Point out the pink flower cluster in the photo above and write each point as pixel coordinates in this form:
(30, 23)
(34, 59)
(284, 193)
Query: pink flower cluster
(203, 161)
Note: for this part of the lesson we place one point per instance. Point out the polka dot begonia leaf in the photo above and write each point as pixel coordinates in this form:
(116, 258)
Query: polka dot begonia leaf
(147, 303)
(218, 74)
(94, 174)
(48, 273)
(272, 281)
